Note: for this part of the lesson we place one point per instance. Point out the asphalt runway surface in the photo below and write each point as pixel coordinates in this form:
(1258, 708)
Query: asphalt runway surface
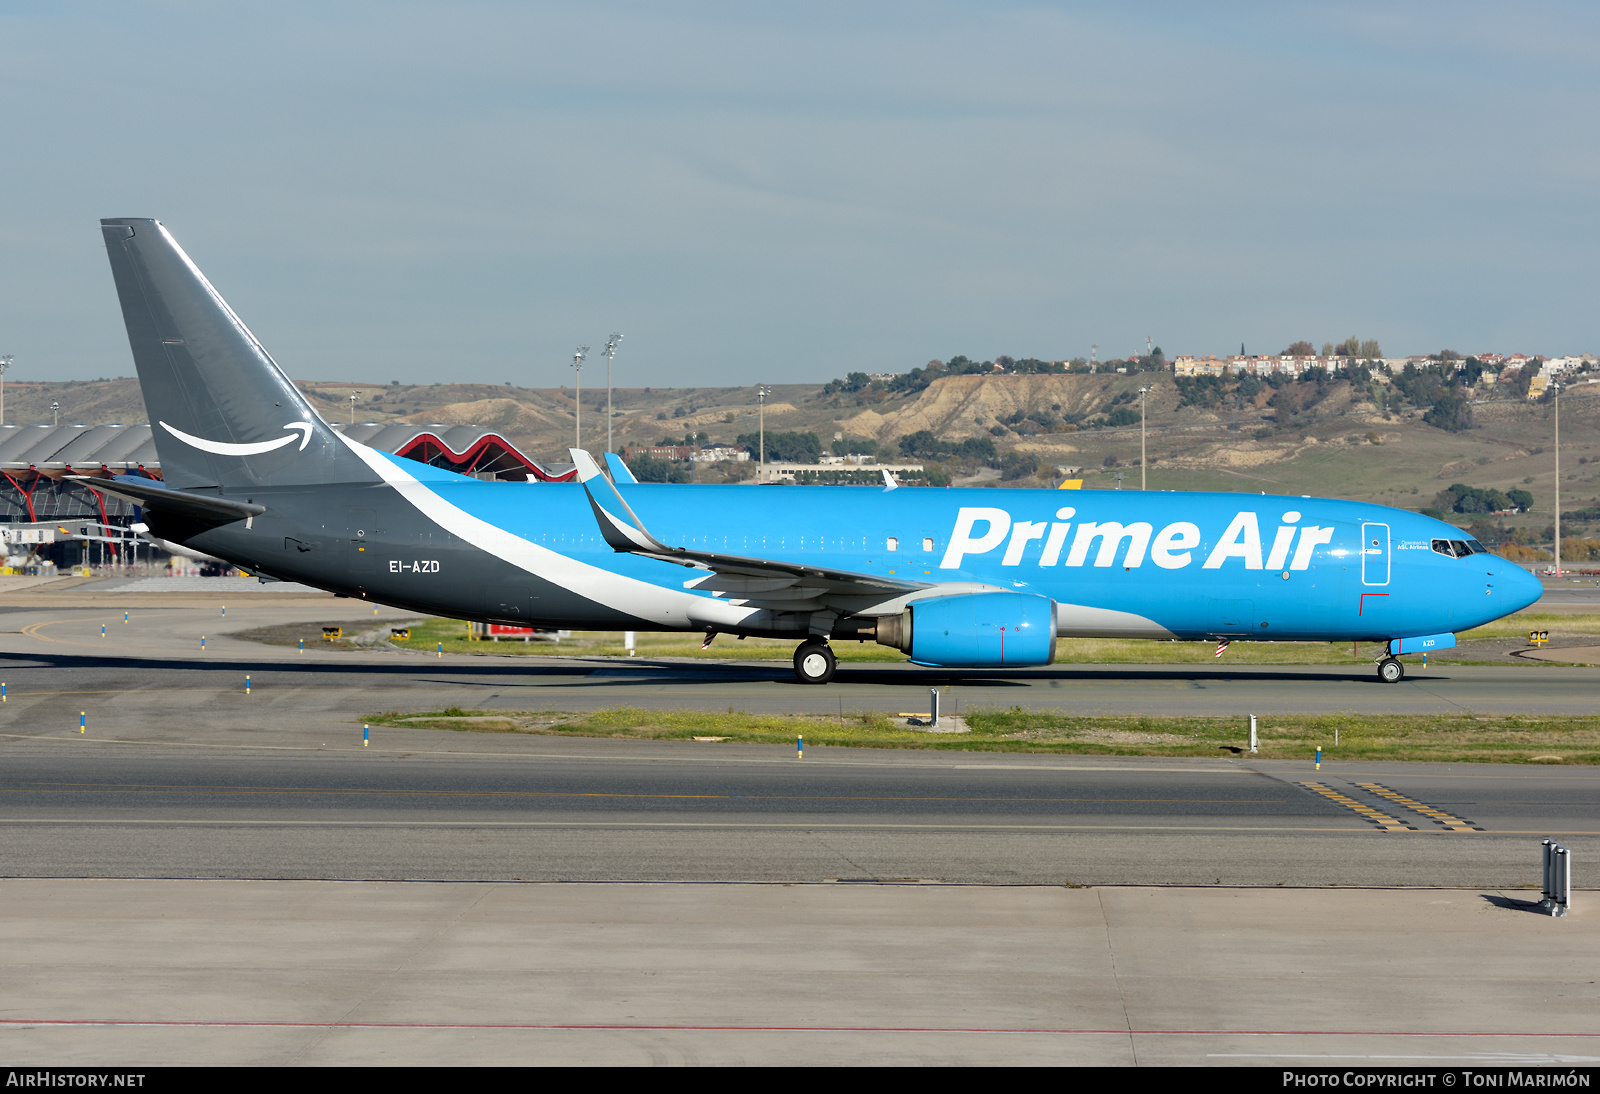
(1570, 594)
(430, 806)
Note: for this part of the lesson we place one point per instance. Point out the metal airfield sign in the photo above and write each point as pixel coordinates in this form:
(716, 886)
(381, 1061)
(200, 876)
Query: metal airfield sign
(954, 578)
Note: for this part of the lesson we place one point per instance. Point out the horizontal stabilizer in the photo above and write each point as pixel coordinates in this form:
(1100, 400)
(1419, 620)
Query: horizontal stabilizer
(163, 499)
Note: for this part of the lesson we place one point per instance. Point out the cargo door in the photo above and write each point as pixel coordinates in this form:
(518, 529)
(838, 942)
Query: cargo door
(1375, 554)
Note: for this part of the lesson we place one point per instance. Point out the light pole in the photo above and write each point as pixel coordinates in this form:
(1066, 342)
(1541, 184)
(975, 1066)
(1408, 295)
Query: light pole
(55, 408)
(762, 391)
(1556, 398)
(5, 363)
(355, 397)
(611, 351)
(1142, 393)
(577, 413)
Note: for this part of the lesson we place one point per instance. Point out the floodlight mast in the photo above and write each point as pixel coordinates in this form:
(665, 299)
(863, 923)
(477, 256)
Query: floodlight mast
(762, 391)
(1142, 393)
(1555, 387)
(5, 363)
(355, 397)
(577, 403)
(611, 351)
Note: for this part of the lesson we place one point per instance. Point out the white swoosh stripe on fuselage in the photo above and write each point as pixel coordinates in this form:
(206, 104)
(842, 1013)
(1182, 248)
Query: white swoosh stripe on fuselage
(626, 595)
(669, 607)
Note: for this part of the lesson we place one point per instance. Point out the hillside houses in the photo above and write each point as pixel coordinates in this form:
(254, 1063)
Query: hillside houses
(1262, 366)
(1502, 368)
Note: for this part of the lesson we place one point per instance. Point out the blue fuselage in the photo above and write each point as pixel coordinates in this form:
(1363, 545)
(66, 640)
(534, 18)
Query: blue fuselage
(1117, 563)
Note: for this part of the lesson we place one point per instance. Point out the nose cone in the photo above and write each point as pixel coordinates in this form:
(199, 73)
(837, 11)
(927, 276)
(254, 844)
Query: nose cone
(1518, 588)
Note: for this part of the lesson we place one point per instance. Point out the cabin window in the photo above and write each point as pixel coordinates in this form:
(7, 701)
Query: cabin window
(927, 545)
(894, 543)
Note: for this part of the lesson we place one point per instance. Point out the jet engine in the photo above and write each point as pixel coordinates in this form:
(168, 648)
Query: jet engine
(974, 630)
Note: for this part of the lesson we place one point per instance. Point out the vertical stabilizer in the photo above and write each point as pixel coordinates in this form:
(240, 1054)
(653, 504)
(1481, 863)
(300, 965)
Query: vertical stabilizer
(221, 411)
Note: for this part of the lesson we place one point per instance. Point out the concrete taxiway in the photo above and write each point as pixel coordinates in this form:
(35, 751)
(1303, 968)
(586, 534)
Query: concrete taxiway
(221, 972)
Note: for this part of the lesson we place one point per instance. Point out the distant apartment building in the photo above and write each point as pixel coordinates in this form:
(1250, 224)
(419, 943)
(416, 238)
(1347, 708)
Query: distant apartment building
(694, 453)
(1502, 367)
(1187, 365)
(794, 472)
(1237, 364)
(660, 451)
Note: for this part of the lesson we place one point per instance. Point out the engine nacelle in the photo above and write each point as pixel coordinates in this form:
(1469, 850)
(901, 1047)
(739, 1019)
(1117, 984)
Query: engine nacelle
(974, 630)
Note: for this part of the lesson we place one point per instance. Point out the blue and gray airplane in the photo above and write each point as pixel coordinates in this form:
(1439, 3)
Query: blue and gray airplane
(953, 578)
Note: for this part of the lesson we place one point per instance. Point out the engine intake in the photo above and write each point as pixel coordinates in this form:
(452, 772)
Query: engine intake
(974, 630)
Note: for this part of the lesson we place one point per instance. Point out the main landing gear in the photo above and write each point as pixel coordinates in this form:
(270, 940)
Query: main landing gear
(1391, 671)
(814, 662)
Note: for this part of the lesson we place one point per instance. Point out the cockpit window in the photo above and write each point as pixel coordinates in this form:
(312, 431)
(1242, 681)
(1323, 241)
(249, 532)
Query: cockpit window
(1477, 548)
(1454, 548)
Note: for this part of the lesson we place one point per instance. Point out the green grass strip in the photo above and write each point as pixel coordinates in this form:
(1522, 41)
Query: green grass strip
(1453, 737)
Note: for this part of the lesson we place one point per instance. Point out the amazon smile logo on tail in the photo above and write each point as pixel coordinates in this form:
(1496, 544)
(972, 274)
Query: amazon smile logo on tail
(227, 448)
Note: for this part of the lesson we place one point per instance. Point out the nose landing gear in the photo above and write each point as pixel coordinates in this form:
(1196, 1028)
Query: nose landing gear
(814, 662)
(1391, 670)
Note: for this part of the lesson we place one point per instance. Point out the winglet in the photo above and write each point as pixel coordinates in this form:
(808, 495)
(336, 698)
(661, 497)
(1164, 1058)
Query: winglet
(622, 535)
(888, 480)
(619, 470)
(587, 468)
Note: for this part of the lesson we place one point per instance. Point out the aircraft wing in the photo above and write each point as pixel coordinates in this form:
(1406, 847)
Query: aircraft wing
(759, 582)
(178, 502)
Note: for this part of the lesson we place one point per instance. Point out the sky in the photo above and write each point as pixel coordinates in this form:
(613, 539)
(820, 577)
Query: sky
(774, 193)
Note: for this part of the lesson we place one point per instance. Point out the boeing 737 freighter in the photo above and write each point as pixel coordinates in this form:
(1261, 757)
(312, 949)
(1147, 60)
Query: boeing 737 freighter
(953, 578)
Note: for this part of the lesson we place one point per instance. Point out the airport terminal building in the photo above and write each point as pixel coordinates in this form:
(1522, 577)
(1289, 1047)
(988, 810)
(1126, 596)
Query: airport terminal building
(49, 516)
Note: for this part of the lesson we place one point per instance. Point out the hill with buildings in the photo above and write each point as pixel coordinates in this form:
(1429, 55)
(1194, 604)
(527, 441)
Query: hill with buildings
(1365, 435)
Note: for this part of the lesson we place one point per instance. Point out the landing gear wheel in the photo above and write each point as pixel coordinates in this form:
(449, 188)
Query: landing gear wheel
(1391, 671)
(814, 663)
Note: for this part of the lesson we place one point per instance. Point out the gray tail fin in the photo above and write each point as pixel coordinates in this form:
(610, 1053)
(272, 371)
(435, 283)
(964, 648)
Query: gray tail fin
(222, 412)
